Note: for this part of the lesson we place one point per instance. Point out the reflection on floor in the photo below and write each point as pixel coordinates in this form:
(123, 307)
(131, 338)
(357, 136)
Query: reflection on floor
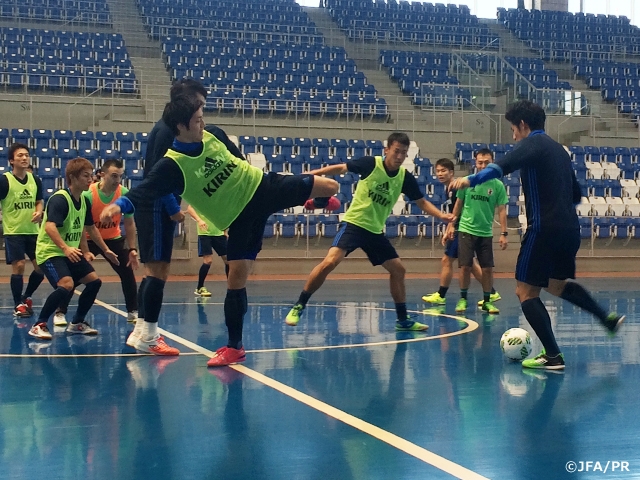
(90, 408)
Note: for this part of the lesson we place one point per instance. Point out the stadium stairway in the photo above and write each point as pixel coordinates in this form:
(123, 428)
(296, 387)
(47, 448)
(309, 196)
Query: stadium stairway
(402, 112)
(510, 45)
(145, 57)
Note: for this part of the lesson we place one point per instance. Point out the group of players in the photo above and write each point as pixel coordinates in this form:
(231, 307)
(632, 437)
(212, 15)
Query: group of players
(225, 193)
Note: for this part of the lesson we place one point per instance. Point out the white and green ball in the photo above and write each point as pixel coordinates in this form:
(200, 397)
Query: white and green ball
(516, 344)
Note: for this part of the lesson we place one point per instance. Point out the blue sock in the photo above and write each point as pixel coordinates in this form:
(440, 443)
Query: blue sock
(16, 288)
(575, 293)
(141, 288)
(538, 317)
(463, 293)
(202, 274)
(401, 311)
(54, 299)
(235, 306)
(153, 295)
(35, 279)
(86, 300)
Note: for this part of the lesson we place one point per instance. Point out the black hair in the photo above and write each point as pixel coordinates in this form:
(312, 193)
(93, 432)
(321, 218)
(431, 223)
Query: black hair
(180, 110)
(114, 162)
(484, 151)
(187, 86)
(446, 163)
(525, 110)
(399, 137)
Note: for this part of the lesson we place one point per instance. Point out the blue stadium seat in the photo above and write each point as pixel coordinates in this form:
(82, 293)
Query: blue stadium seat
(269, 228)
(329, 225)
(126, 140)
(392, 227)
(41, 139)
(84, 139)
(105, 140)
(63, 139)
(288, 225)
(21, 135)
(603, 227)
(46, 157)
(247, 144)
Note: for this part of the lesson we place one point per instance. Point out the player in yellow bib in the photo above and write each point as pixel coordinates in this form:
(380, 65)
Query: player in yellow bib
(21, 200)
(227, 191)
(106, 191)
(210, 239)
(382, 181)
(62, 252)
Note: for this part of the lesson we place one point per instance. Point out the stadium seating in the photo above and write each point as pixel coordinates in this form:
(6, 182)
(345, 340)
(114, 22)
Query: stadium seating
(270, 78)
(278, 21)
(58, 11)
(72, 62)
(425, 76)
(416, 22)
(563, 36)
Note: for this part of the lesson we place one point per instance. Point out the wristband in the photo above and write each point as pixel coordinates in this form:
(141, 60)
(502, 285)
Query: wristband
(133, 250)
(504, 233)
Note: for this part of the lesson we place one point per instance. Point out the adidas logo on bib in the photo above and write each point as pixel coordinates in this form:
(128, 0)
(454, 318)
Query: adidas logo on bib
(383, 188)
(26, 194)
(76, 223)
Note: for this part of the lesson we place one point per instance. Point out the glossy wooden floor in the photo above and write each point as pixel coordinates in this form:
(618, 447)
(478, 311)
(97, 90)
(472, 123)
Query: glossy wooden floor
(340, 396)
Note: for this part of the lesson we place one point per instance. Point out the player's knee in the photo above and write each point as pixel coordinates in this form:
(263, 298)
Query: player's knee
(398, 270)
(329, 265)
(66, 283)
(17, 267)
(445, 261)
(208, 260)
(524, 294)
(94, 285)
(325, 187)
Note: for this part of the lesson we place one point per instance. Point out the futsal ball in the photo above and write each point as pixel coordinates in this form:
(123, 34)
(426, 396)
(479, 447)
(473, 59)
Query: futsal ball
(516, 344)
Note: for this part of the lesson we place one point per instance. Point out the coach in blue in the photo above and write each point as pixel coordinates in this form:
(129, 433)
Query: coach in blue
(547, 256)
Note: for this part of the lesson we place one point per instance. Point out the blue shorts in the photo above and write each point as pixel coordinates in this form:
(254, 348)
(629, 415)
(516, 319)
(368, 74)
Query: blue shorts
(207, 244)
(377, 247)
(275, 193)
(17, 246)
(155, 233)
(451, 247)
(56, 268)
(545, 255)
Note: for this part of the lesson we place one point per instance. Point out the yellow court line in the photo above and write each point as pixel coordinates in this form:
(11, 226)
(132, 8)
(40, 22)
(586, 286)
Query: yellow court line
(389, 438)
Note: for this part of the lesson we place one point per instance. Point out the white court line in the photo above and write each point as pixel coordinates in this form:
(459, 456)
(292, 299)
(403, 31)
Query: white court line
(389, 438)
(87, 355)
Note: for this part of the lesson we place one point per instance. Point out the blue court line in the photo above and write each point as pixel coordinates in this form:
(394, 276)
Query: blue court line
(389, 438)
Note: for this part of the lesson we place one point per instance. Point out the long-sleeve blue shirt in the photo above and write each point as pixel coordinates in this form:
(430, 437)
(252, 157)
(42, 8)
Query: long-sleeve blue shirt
(549, 183)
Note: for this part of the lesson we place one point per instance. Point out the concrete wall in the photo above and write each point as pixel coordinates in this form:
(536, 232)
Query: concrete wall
(59, 112)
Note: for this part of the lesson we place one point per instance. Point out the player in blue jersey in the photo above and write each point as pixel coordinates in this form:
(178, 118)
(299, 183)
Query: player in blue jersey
(547, 256)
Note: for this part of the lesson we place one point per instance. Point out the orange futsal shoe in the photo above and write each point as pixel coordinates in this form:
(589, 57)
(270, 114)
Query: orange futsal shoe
(227, 356)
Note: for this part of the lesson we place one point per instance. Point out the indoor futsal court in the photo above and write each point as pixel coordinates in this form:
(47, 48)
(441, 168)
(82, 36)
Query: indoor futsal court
(340, 396)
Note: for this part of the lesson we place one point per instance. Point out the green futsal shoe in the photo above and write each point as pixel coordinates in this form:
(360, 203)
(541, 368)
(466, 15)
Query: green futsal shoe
(490, 308)
(545, 362)
(409, 325)
(494, 297)
(435, 299)
(613, 322)
(293, 317)
(461, 306)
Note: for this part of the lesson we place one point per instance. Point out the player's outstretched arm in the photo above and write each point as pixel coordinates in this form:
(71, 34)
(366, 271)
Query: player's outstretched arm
(338, 169)
(430, 209)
